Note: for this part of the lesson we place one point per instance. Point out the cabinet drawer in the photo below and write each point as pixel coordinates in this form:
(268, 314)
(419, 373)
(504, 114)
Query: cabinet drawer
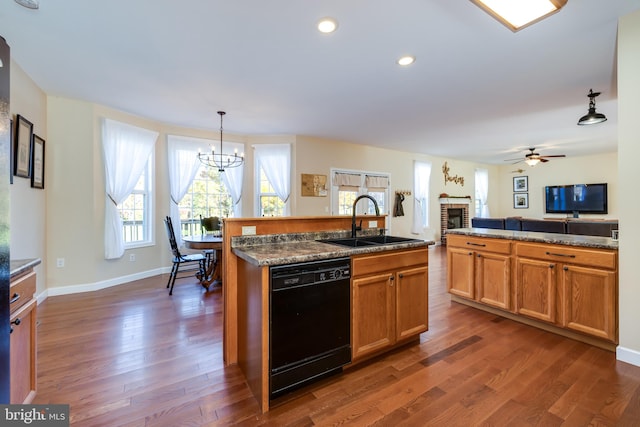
(22, 290)
(500, 246)
(600, 258)
(387, 261)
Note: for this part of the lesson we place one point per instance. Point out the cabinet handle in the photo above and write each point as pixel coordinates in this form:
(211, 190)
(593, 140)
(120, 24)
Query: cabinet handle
(16, 322)
(551, 265)
(401, 275)
(391, 281)
(470, 253)
(14, 298)
(564, 255)
(479, 255)
(566, 268)
(482, 245)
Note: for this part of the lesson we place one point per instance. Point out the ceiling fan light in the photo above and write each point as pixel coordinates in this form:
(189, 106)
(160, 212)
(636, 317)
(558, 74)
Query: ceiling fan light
(532, 161)
(518, 15)
(29, 4)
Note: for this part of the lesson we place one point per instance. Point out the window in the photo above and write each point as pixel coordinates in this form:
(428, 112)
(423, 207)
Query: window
(348, 185)
(207, 196)
(421, 184)
(481, 193)
(136, 211)
(270, 204)
(273, 179)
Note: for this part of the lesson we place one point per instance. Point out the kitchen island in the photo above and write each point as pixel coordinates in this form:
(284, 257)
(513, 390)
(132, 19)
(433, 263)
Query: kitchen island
(388, 289)
(567, 284)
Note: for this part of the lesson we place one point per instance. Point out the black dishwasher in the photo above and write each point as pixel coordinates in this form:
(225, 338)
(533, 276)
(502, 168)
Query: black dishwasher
(309, 322)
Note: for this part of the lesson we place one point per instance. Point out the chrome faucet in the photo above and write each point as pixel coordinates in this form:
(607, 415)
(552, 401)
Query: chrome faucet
(355, 228)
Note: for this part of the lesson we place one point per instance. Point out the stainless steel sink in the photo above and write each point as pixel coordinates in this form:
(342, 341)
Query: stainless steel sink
(355, 242)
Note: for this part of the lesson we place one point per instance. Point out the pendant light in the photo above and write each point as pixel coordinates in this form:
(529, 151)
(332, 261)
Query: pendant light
(221, 160)
(592, 117)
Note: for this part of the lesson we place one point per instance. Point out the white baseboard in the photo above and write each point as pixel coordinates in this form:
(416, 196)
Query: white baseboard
(628, 355)
(90, 287)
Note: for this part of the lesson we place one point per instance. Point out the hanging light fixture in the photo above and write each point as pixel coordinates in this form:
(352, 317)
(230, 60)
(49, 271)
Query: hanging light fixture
(592, 117)
(221, 161)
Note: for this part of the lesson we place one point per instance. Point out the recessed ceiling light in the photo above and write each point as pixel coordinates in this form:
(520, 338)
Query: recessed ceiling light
(406, 60)
(327, 25)
(29, 4)
(517, 15)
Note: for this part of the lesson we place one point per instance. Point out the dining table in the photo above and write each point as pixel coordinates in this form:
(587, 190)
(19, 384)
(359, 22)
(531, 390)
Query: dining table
(206, 242)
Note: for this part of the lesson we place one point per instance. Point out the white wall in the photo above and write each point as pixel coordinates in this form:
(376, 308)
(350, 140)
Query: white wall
(629, 175)
(560, 171)
(28, 205)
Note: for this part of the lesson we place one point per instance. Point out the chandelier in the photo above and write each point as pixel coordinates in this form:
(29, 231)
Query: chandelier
(221, 160)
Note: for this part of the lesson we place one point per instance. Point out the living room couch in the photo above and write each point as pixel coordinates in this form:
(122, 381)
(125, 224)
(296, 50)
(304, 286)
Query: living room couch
(561, 225)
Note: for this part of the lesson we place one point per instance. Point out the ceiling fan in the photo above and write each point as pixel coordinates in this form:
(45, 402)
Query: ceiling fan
(534, 158)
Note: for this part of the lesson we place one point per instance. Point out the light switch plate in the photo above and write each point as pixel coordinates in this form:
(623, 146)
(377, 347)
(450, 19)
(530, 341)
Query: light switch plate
(249, 230)
(373, 224)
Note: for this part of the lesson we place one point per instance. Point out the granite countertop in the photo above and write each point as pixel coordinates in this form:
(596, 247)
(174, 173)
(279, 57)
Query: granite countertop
(303, 247)
(534, 236)
(21, 265)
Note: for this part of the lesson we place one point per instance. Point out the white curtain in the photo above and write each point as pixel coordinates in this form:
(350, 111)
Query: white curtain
(126, 151)
(232, 178)
(182, 156)
(421, 178)
(482, 191)
(275, 160)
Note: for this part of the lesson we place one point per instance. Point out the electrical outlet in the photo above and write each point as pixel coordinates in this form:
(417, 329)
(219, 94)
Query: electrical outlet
(60, 262)
(373, 224)
(132, 257)
(249, 230)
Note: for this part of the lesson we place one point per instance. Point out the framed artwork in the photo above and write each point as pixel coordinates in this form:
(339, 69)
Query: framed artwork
(37, 162)
(521, 200)
(314, 185)
(520, 183)
(22, 147)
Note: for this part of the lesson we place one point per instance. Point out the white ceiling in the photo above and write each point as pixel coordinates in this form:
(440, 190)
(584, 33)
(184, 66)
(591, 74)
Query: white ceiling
(476, 92)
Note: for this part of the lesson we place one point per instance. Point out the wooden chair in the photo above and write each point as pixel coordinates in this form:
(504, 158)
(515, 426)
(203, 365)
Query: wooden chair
(182, 263)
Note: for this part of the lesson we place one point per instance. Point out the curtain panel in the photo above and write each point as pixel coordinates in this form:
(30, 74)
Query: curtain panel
(126, 150)
(275, 160)
(183, 163)
(421, 179)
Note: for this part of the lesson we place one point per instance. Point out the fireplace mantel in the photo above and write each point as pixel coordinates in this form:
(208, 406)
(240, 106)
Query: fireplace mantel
(454, 200)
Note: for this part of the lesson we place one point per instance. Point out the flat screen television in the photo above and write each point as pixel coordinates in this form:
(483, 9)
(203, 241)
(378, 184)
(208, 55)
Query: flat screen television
(577, 198)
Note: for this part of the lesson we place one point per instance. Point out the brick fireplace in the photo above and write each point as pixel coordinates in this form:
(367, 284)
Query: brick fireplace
(454, 213)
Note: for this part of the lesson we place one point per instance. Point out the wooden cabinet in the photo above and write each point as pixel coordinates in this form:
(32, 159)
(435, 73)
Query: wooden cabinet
(480, 269)
(390, 299)
(23, 337)
(575, 288)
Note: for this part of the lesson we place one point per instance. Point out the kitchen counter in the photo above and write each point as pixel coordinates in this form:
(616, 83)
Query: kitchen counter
(533, 236)
(19, 266)
(303, 247)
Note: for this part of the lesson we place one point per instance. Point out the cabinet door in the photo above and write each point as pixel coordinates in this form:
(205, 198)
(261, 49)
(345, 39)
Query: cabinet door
(493, 279)
(536, 289)
(373, 314)
(460, 280)
(23, 354)
(590, 303)
(412, 302)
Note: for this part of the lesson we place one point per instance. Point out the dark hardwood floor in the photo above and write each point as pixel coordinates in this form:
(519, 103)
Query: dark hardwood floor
(134, 356)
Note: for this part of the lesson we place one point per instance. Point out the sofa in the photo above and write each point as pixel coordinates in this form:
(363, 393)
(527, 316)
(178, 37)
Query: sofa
(561, 225)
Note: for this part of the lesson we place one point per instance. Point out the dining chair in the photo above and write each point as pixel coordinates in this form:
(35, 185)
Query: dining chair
(182, 263)
(208, 225)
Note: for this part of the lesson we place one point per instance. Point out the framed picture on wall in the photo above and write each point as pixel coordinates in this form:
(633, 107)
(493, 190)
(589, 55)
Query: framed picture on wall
(520, 183)
(521, 201)
(37, 162)
(22, 147)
